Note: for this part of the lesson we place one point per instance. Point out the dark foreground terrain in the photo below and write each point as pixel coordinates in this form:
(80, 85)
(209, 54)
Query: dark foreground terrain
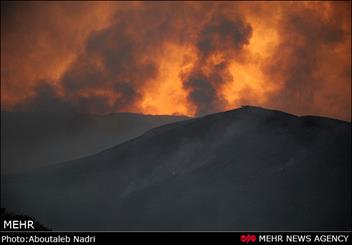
(246, 169)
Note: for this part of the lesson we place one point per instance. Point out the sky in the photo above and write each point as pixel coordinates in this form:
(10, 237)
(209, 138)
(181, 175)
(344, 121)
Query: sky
(179, 58)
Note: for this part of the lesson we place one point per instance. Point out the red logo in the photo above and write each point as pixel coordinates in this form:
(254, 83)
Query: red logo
(248, 238)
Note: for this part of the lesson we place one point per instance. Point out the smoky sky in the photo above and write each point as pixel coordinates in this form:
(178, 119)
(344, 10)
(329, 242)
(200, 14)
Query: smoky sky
(306, 38)
(222, 36)
(188, 58)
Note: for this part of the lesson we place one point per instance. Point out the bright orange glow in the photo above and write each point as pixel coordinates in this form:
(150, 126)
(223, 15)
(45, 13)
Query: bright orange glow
(297, 56)
(165, 95)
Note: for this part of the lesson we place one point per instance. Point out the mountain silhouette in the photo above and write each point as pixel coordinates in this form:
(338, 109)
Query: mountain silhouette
(244, 169)
(8, 216)
(44, 138)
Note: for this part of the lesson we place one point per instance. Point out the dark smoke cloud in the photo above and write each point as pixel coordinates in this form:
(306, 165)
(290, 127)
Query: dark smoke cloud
(307, 40)
(117, 62)
(111, 61)
(221, 36)
(206, 56)
(47, 99)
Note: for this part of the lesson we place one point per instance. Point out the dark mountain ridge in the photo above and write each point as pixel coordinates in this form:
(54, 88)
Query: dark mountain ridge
(245, 169)
(45, 138)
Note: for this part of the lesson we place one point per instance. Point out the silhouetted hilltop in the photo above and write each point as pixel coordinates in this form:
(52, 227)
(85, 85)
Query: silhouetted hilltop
(244, 169)
(44, 138)
(9, 216)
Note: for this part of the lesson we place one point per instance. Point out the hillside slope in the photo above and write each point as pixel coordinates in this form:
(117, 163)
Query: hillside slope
(32, 139)
(245, 169)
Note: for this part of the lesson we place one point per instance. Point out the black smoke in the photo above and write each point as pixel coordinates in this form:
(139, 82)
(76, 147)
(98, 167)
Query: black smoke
(224, 37)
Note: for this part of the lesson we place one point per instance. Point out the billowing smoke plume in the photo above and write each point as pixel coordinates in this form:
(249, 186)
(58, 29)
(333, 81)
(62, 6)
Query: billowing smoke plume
(308, 40)
(188, 58)
(220, 39)
(114, 64)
